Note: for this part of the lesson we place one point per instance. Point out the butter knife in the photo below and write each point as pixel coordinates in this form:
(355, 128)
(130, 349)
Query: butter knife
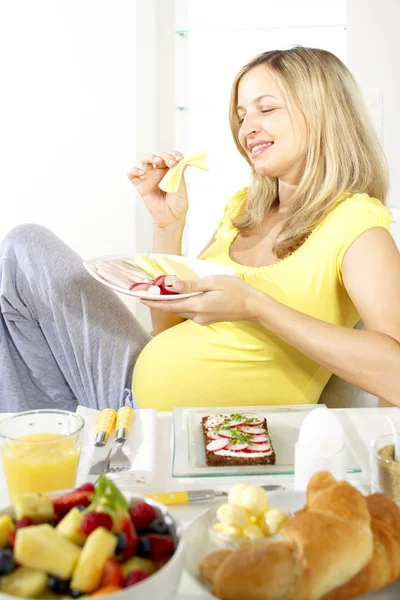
(198, 495)
(101, 453)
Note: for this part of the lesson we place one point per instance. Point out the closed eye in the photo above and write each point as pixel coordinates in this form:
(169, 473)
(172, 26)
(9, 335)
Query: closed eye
(263, 112)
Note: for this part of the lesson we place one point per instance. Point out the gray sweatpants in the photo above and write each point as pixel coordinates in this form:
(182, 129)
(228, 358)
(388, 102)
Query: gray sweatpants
(64, 338)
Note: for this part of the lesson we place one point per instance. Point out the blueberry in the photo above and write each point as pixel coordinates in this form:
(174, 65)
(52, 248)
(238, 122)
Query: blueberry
(121, 543)
(159, 526)
(7, 562)
(81, 507)
(58, 585)
(53, 522)
(76, 593)
(144, 547)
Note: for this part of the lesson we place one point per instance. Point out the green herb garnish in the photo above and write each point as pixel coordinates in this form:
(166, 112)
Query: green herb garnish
(107, 497)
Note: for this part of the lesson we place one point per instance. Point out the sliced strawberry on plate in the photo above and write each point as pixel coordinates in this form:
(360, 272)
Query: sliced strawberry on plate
(112, 574)
(63, 503)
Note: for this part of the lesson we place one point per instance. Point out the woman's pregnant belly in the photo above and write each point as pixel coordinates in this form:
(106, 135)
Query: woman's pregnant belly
(225, 364)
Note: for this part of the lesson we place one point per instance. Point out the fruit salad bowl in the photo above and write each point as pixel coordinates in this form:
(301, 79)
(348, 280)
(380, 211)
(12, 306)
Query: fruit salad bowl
(87, 543)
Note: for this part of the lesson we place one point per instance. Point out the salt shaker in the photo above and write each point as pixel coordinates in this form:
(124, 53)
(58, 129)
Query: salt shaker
(320, 447)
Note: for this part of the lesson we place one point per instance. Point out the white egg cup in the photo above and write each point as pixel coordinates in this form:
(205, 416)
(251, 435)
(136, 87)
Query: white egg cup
(306, 464)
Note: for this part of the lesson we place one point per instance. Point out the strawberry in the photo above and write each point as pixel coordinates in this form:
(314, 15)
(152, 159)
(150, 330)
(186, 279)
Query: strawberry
(63, 503)
(160, 545)
(127, 527)
(24, 522)
(160, 562)
(106, 591)
(86, 487)
(142, 515)
(93, 520)
(11, 538)
(112, 574)
(135, 577)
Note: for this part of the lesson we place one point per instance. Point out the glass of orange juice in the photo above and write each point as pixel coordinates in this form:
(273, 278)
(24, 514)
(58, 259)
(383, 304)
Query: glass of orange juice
(40, 450)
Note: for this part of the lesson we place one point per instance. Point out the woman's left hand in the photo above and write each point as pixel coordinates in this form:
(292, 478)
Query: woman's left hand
(225, 298)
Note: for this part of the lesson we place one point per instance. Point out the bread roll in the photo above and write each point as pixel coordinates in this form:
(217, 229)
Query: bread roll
(338, 546)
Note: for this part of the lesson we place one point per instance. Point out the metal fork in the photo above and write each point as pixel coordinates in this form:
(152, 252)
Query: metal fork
(119, 460)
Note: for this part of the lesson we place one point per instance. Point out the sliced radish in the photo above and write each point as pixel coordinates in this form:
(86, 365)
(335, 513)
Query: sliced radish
(236, 423)
(217, 445)
(225, 433)
(213, 435)
(154, 289)
(166, 291)
(139, 286)
(253, 430)
(258, 448)
(259, 439)
(237, 447)
(159, 280)
(213, 422)
(257, 420)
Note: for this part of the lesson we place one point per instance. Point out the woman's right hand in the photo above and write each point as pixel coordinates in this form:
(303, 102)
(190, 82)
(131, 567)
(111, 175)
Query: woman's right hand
(165, 208)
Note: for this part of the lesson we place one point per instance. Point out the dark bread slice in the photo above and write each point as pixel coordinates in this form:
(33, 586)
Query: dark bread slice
(215, 460)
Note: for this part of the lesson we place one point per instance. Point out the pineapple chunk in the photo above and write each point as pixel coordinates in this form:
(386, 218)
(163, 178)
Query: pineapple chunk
(70, 527)
(137, 563)
(42, 547)
(37, 507)
(99, 546)
(25, 583)
(6, 525)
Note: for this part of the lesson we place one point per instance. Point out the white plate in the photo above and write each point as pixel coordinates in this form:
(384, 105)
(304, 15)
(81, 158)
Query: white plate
(203, 268)
(284, 422)
(197, 545)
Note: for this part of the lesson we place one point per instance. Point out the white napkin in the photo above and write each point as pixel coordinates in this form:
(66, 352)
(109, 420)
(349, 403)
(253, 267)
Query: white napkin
(140, 447)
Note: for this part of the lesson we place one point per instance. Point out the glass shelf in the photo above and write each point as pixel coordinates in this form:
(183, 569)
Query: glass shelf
(182, 107)
(185, 32)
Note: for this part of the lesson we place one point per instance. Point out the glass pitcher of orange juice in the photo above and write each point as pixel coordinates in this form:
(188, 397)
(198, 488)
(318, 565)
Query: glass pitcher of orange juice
(40, 450)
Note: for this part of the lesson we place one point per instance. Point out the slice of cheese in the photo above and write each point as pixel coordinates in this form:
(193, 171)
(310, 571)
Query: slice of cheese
(175, 267)
(163, 265)
(148, 264)
(172, 179)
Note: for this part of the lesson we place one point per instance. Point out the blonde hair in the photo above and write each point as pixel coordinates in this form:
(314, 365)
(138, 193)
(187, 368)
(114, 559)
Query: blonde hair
(343, 157)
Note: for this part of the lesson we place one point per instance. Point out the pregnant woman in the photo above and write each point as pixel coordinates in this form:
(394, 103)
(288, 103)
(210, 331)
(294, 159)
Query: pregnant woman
(308, 238)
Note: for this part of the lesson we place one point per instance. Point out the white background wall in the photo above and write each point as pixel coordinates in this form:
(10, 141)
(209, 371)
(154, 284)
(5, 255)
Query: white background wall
(373, 55)
(67, 120)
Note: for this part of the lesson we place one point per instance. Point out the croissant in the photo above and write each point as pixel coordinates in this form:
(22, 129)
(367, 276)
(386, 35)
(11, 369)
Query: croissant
(340, 545)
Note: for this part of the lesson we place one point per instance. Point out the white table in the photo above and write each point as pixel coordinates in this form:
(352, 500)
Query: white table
(361, 426)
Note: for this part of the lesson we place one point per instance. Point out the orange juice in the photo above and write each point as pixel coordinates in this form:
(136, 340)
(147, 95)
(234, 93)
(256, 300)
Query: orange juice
(40, 463)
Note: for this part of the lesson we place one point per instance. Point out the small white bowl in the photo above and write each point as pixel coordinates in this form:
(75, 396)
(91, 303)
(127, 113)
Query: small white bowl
(166, 579)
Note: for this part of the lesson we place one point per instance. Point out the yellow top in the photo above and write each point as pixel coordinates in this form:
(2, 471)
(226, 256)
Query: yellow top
(236, 364)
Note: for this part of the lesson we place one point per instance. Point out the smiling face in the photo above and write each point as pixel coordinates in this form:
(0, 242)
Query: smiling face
(273, 138)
